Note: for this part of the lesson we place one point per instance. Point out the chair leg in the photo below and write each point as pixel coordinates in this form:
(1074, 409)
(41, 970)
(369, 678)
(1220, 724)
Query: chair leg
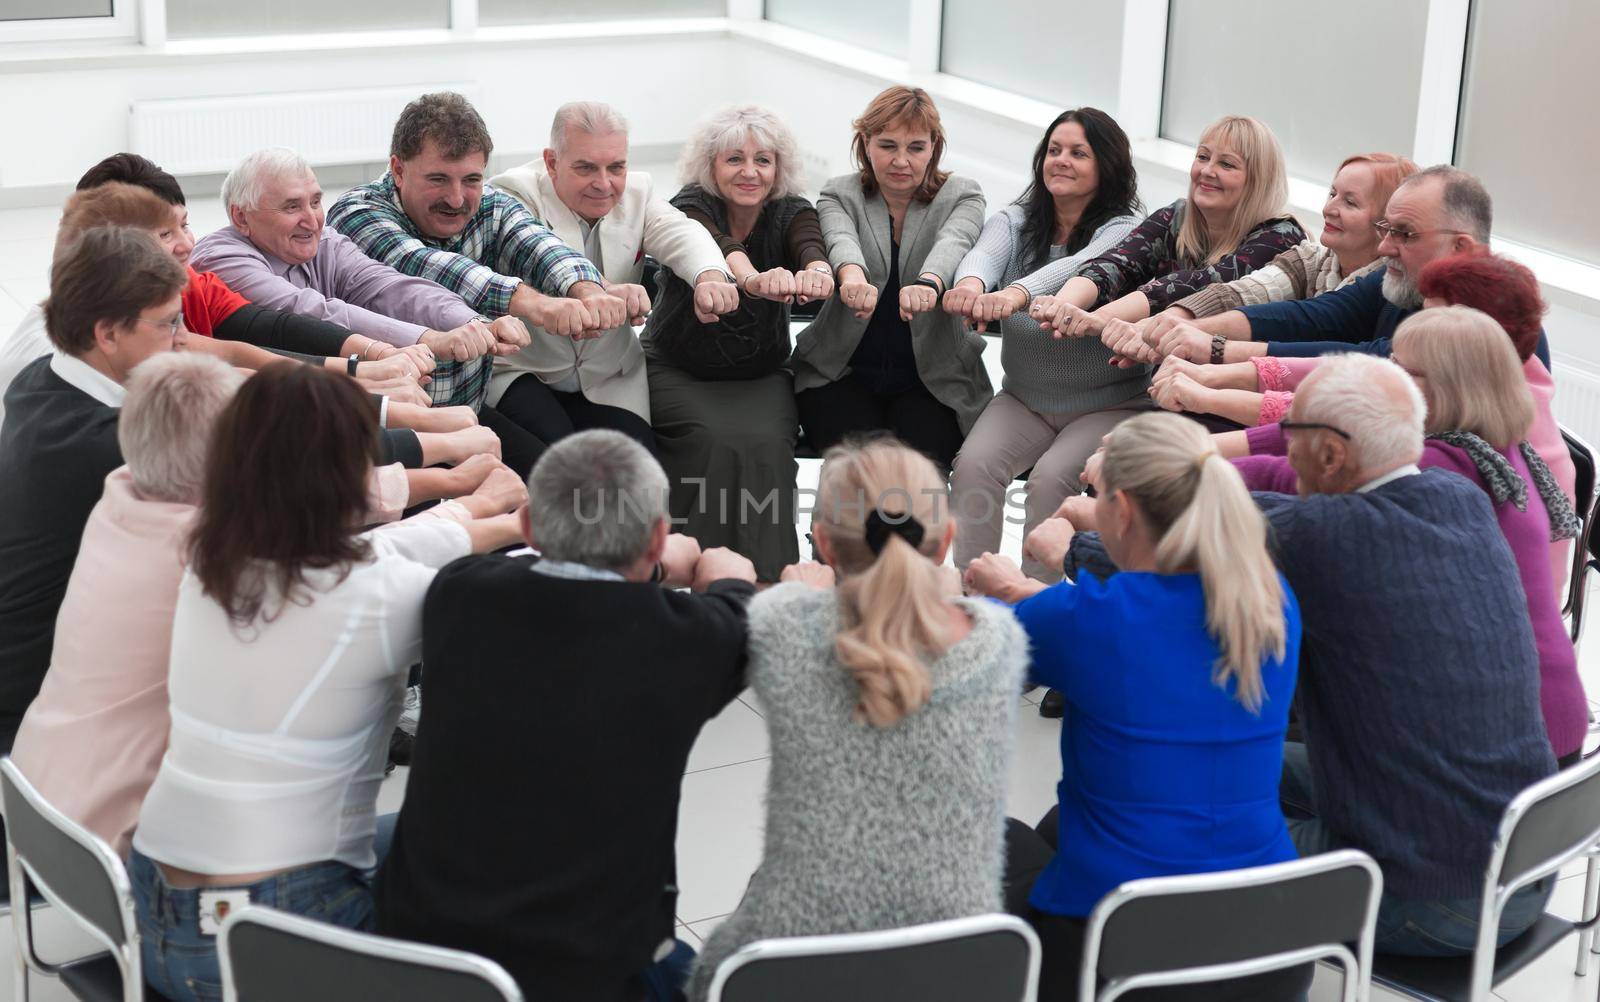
(1591, 900)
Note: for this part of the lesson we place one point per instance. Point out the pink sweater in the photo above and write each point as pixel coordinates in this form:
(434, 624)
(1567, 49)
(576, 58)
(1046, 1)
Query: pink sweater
(1277, 378)
(1561, 696)
(92, 740)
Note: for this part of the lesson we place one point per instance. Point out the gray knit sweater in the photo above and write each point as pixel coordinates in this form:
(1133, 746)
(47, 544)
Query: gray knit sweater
(872, 828)
(1049, 376)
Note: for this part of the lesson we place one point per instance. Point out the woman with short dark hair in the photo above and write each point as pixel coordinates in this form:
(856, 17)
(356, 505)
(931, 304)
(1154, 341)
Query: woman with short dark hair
(291, 642)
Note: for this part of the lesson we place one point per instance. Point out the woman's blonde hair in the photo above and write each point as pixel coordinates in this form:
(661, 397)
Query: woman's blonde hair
(890, 603)
(1473, 378)
(1197, 505)
(1265, 195)
(733, 126)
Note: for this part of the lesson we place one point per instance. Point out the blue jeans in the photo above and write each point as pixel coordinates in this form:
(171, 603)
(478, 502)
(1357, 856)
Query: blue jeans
(181, 962)
(1445, 928)
(666, 977)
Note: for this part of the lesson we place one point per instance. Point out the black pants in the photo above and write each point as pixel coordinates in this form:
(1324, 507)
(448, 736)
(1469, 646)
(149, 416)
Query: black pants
(552, 415)
(1028, 851)
(845, 407)
(519, 447)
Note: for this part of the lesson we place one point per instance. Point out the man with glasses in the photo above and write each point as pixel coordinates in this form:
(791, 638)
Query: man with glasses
(1419, 679)
(1434, 213)
(115, 300)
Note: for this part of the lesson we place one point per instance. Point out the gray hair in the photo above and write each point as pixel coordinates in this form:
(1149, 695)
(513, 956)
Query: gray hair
(1373, 401)
(246, 185)
(594, 498)
(173, 402)
(1466, 200)
(732, 127)
(596, 118)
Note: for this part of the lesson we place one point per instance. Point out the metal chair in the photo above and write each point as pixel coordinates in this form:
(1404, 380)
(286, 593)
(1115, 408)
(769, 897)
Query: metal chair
(1583, 549)
(270, 956)
(80, 875)
(982, 958)
(1546, 826)
(1215, 926)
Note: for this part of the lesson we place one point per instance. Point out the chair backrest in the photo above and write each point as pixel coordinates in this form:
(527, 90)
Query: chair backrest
(269, 956)
(76, 871)
(1208, 927)
(1549, 824)
(982, 958)
(1583, 463)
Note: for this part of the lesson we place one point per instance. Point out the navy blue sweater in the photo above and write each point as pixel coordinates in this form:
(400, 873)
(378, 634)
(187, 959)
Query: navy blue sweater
(1418, 676)
(1354, 318)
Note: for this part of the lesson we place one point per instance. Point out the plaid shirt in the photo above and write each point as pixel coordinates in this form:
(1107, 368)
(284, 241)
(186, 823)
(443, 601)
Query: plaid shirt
(502, 246)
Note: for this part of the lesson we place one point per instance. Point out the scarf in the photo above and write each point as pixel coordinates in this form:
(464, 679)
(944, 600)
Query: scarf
(1504, 484)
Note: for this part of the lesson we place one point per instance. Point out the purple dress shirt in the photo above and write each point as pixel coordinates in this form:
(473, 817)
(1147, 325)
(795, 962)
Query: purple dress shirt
(340, 285)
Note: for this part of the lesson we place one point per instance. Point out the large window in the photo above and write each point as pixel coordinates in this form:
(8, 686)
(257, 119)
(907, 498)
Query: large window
(28, 10)
(1028, 46)
(214, 18)
(492, 12)
(884, 25)
(1331, 79)
(1527, 124)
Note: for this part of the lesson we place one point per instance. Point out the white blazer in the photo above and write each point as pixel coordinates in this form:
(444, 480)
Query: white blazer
(610, 367)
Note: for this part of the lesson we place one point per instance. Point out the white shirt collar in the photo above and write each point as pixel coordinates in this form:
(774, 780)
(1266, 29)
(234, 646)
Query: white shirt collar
(1394, 474)
(80, 374)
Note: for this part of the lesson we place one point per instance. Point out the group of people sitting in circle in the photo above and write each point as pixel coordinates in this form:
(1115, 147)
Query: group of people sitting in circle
(249, 484)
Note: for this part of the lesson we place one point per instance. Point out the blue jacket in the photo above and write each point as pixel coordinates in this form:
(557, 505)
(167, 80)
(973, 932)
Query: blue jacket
(1163, 771)
(1354, 318)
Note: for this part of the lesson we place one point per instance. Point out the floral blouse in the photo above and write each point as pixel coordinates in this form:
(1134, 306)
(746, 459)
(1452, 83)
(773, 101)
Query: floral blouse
(1147, 260)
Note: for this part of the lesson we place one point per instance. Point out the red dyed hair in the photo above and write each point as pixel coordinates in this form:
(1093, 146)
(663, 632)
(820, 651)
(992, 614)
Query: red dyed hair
(1497, 285)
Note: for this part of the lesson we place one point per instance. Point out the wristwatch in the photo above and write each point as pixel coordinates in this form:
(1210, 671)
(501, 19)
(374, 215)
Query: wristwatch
(930, 283)
(351, 363)
(1218, 343)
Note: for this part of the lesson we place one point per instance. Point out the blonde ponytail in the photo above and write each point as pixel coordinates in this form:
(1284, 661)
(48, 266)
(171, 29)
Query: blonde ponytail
(1198, 503)
(892, 609)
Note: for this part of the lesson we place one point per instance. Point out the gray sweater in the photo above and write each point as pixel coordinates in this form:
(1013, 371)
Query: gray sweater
(1049, 376)
(871, 828)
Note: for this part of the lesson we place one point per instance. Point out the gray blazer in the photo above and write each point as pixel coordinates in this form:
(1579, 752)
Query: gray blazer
(934, 238)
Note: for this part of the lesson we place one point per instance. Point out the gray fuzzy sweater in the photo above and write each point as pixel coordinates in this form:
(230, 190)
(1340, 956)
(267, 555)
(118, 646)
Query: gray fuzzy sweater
(872, 828)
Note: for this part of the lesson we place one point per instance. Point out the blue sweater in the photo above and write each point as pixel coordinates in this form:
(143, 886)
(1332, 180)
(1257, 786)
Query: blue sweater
(1419, 685)
(1354, 318)
(1163, 772)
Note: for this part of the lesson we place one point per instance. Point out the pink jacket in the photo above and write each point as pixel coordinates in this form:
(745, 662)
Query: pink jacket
(92, 740)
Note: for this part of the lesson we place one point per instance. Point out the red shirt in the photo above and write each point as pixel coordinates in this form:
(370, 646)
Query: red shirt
(207, 302)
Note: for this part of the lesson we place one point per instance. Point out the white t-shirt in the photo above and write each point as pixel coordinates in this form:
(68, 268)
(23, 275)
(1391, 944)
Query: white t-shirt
(24, 344)
(280, 732)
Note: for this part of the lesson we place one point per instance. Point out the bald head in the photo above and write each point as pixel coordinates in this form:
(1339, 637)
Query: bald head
(1376, 406)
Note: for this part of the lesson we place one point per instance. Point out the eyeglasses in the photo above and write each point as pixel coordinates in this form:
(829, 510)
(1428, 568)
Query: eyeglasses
(1289, 426)
(172, 326)
(1403, 236)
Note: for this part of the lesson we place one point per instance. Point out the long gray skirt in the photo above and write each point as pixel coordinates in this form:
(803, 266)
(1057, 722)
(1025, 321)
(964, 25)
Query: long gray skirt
(728, 449)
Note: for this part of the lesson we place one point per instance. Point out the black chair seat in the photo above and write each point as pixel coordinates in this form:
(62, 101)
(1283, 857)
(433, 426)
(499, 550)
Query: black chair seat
(1450, 978)
(98, 979)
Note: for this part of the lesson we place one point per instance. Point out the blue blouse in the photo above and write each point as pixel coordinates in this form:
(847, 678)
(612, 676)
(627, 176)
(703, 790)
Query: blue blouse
(1163, 771)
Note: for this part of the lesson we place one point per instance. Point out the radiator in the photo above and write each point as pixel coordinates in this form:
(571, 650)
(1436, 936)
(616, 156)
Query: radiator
(211, 135)
(1577, 400)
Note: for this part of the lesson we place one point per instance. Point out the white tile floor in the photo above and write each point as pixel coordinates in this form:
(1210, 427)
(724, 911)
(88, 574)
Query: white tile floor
(719, 835)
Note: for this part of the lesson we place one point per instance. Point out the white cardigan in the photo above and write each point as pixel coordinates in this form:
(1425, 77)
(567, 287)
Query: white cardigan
(611, 367)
